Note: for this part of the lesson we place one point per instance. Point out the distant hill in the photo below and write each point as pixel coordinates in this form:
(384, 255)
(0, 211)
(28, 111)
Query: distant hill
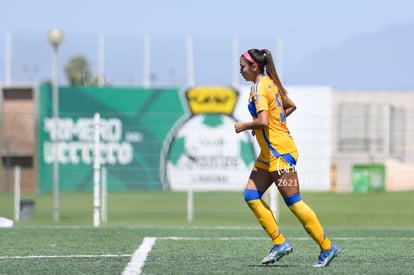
(378, 61)
(369, 61)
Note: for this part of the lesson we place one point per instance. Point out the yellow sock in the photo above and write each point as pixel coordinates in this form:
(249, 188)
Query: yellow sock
(265, 216)
(311, 223)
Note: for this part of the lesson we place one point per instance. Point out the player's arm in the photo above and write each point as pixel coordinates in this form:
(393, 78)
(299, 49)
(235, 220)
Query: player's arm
(260, 122)
(289, 106)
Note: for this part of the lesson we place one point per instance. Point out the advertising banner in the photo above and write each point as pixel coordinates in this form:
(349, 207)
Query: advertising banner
(203, 151)
(134, 124)
(149, 139)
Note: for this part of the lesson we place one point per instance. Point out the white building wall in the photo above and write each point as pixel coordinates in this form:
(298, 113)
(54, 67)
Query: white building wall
(376, 127)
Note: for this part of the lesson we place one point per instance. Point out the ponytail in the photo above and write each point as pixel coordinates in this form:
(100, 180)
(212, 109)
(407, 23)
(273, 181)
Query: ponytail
(264, 60)
(272, 73)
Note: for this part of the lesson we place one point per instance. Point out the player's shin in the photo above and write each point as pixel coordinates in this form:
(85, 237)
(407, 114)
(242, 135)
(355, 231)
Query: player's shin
(264, 215)
(309, 220)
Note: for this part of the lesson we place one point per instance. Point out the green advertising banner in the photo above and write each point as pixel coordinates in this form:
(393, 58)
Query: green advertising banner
(149, 139)
(203, 151)
(134, 124)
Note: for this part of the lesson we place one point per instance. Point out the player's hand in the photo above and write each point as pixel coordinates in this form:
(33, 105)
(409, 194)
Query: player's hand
(238, 127)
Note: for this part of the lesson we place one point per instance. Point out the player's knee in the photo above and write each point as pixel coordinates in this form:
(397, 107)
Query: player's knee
(250, 195)
(291, 200)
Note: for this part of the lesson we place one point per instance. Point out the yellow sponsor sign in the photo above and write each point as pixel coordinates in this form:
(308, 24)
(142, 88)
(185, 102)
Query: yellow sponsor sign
(211, 100)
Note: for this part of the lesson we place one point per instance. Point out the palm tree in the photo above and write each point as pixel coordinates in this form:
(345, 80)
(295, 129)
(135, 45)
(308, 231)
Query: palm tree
(78, 71)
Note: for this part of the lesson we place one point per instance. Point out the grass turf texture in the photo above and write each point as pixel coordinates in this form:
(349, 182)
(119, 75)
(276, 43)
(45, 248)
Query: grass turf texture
(374, 231)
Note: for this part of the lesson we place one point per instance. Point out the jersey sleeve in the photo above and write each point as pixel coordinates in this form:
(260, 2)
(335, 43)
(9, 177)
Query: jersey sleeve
(261, 100)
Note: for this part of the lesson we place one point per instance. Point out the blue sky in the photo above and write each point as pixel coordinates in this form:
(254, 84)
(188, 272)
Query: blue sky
(304, 25)
(318, 21)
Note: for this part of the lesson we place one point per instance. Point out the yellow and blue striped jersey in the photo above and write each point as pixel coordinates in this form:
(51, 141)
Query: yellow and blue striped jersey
(266, 97)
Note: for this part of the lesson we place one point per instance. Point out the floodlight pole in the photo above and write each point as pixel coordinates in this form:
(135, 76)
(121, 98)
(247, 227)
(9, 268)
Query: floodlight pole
(147, 61)
(236, 62)
(55, 39)
(190, 61)
(279, 61)
(8, 60)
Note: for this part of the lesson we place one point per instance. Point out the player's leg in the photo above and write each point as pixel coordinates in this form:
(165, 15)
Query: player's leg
(288, 186)
(259, 181)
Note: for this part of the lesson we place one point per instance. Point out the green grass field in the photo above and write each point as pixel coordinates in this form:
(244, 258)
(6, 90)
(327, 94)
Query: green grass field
(374, 230)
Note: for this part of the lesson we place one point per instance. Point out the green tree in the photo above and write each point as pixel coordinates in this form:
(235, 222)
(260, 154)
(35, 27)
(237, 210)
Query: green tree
(78, 71)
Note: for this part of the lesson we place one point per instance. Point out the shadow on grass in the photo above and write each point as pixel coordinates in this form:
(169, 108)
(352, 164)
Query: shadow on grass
(272, 265)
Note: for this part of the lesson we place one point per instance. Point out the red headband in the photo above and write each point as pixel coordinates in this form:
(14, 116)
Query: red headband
(249, 57)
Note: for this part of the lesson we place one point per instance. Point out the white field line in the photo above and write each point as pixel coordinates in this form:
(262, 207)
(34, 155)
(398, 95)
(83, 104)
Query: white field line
(139, 257)
(144, 248)
(186, 227)
(66, 256)
(297, 238)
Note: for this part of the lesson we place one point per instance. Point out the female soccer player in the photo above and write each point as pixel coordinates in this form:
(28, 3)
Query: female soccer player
(269, 106)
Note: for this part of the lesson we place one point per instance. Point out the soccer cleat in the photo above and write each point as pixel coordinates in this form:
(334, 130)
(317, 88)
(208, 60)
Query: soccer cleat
(326, 256)
(277, 252)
